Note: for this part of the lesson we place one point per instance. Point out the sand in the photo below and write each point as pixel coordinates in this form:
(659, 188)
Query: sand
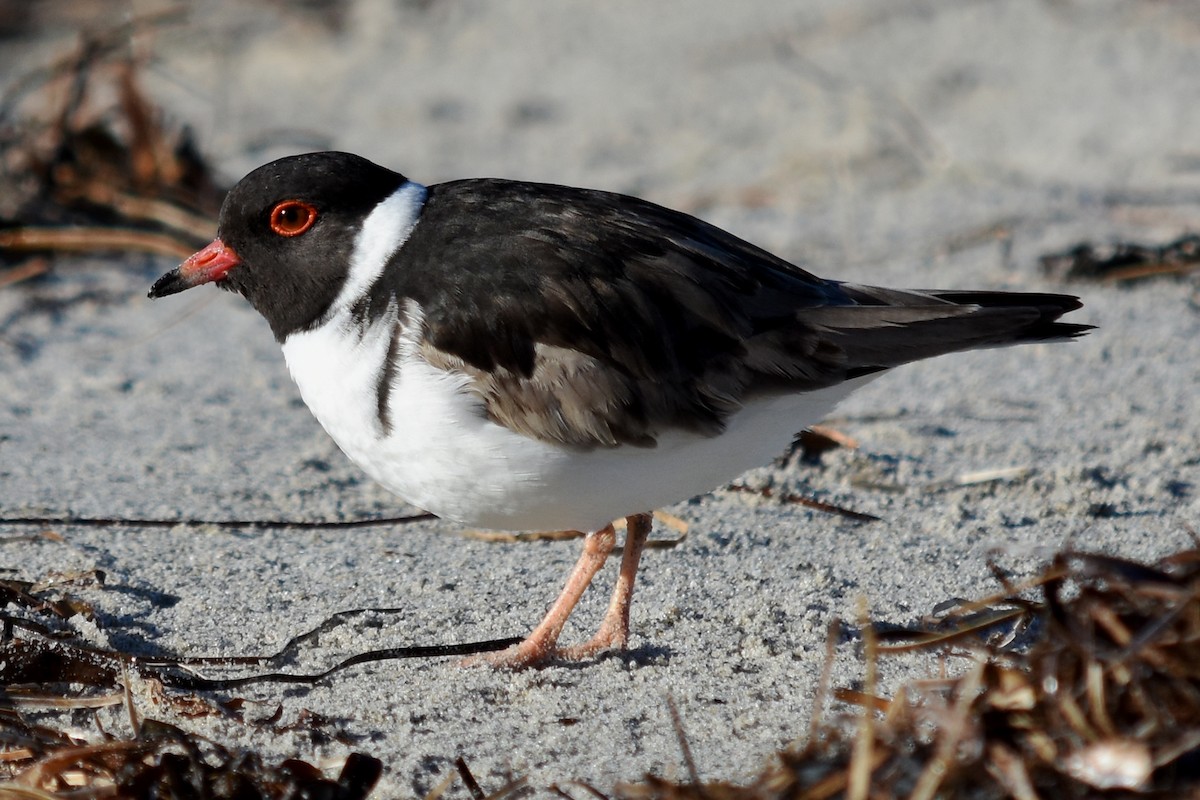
(916, 143)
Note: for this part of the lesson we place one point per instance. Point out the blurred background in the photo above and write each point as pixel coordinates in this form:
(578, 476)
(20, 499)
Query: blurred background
(852, 132)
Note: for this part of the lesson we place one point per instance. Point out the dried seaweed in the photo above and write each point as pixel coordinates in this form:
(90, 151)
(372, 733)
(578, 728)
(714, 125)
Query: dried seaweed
(816, 440)
(1099, 696)
(1124, 262)
(791, 498)
(43, 667)
(1104, 702)
(165, 761)
(34, 652)
(223, 524)
(89, 163)
(44, 664)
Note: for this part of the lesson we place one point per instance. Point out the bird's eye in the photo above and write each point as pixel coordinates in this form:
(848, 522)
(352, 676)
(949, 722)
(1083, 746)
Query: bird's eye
(292, 217)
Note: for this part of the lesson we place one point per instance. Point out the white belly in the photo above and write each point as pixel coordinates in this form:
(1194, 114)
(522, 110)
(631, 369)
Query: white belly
(442, 453)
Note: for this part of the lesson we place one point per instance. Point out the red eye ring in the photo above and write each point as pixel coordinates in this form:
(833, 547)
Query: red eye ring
(292, 217)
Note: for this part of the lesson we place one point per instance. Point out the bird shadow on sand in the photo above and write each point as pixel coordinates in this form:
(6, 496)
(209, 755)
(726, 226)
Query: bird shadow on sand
(643, 656)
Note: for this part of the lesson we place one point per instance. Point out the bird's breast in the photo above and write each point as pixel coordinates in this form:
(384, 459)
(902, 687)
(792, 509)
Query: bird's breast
(418, 430)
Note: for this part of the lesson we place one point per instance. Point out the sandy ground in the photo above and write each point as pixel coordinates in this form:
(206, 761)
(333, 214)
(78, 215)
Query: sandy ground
(920, 143)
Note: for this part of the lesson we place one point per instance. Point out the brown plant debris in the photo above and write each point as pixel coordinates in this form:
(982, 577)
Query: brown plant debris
(89, 163)
(39, 648)
(815, 440)
(46, 666)
(1124, 262)
(165, 761)
(1099, 697)
(1105, 702)
(790, 498)
(42, 666)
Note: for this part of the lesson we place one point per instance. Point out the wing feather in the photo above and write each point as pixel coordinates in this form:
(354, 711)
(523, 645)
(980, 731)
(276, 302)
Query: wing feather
(596, 320)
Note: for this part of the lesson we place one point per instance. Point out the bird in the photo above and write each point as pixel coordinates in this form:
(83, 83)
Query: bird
(528, 356)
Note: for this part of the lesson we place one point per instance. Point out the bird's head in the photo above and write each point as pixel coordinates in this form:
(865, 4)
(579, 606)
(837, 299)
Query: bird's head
(286, 236)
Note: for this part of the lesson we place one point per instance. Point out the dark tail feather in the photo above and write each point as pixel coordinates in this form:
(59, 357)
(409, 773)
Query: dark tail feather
(1050, 307)
(887, 327)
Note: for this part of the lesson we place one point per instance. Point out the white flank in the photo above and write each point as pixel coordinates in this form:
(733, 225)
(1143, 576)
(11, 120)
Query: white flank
(445, 456)
(383, 231)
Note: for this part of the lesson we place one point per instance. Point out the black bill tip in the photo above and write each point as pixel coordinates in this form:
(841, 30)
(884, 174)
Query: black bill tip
(171, 283)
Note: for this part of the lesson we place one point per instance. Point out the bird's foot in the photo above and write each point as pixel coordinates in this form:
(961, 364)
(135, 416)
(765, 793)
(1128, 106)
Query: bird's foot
(523, 655)
(610, 638)
(534, 653)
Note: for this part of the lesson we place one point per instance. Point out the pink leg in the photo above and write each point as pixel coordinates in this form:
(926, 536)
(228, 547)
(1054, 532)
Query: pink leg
(540, 645)
(613, 633)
